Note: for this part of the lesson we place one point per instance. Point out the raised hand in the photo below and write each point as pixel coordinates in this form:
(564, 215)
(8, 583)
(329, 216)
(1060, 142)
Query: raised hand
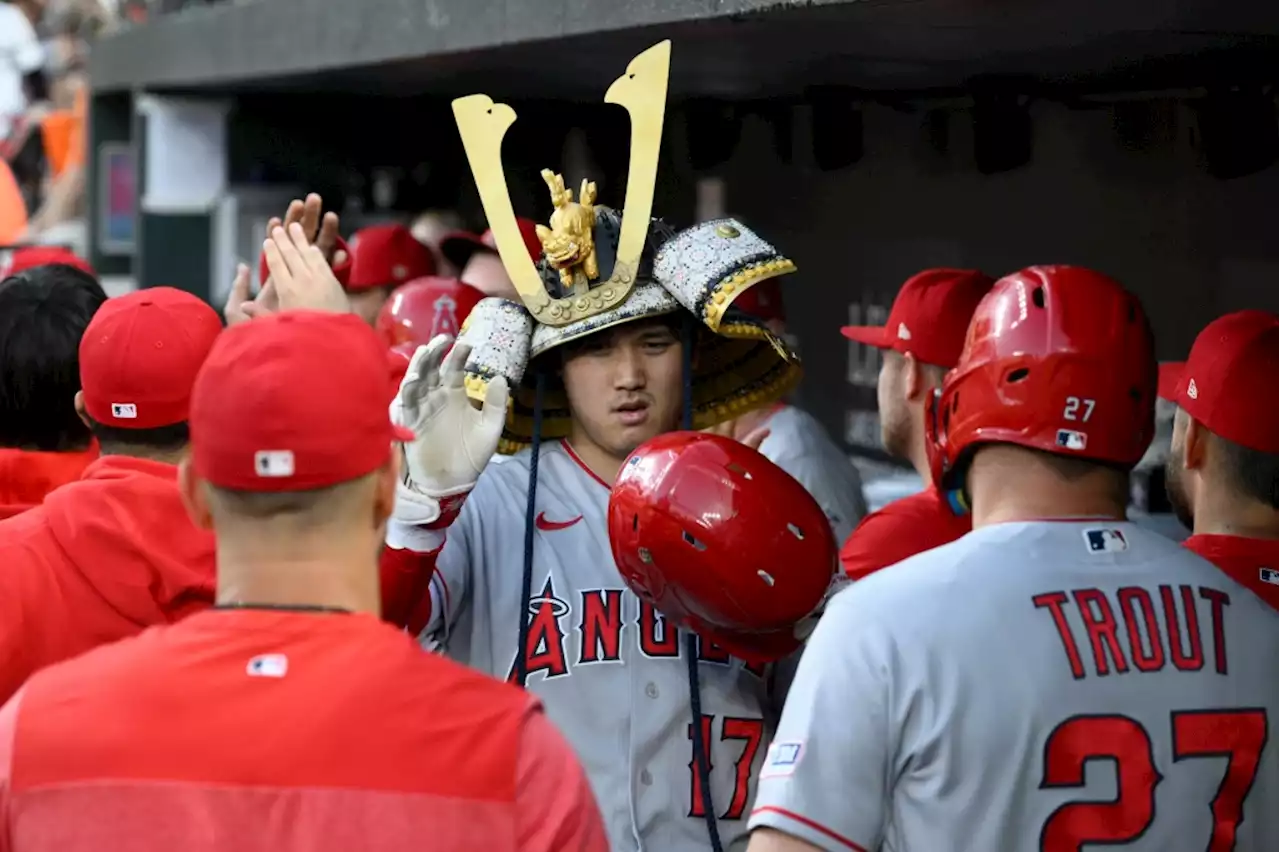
(454, 440)
(300, 274)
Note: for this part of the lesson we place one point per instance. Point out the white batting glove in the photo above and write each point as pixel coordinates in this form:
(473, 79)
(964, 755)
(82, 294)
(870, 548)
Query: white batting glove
(453, 441)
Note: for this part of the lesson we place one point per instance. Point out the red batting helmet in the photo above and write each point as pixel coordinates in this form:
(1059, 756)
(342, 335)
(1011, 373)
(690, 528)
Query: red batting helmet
(1057, 358)
(425, 307)
(721, 541)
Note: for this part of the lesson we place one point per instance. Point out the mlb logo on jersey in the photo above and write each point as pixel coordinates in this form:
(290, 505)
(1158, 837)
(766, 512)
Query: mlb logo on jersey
(1267, 575)
(1069, 439)
(1105, 540)
(782, 759)
(268, 665)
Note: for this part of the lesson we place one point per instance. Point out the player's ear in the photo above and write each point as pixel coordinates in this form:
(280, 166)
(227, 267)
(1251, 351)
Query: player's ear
(194, 498)
(1194, 442)
(80, 411)
(388, 476)
(913, 374)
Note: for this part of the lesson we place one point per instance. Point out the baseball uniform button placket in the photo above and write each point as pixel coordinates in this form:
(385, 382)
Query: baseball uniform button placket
(651, 689)
(646, 777)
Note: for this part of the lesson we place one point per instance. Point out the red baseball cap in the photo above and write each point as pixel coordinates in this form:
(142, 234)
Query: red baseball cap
(1231, 380)
(26, 258)
(763, 301)
(458, 246)
(140, 354)
(929, 317)
(263, 414)
(387, 255)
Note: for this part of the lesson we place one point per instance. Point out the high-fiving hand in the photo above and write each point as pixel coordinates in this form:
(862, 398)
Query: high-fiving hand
(320, 229)
(454, 440)
(301, 274)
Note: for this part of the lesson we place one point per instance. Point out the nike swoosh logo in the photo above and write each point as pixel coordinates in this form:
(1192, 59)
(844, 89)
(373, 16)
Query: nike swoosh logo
(542, 523)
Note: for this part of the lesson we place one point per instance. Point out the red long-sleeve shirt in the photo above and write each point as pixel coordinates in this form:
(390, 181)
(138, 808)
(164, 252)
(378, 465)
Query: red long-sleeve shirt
(270, 731)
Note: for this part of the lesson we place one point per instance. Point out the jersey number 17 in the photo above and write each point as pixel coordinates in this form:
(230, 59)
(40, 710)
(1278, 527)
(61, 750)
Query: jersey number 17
(1237, 735)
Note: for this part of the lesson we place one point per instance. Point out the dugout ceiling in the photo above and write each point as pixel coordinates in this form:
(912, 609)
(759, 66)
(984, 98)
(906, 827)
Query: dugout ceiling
(572, 49)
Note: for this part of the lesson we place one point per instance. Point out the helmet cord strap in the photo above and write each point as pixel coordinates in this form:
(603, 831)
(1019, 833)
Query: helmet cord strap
(701, 749)
(530, 511)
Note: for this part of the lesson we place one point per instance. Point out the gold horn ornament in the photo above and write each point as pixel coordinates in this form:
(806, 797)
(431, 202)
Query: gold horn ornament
(482, 124)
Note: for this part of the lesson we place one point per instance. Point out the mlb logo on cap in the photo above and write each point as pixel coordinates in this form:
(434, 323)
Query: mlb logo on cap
(1071, 440)
(273, 463)
(1105, 541)
(1267, 575)
(124, 410)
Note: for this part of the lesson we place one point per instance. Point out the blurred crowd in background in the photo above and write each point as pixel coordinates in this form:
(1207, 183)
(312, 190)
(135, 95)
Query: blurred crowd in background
(44, 48)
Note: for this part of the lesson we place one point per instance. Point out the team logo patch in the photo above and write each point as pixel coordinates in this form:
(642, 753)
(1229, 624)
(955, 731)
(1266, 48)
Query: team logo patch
(1105, 540)
(1069, 439)
(124, 411)
(782, 759)
(1267, 575)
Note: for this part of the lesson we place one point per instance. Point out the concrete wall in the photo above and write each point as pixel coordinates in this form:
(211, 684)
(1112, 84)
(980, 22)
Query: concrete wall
(1190, 245)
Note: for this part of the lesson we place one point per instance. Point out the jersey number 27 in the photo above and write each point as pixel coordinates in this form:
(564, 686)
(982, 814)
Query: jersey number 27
(1237, 735)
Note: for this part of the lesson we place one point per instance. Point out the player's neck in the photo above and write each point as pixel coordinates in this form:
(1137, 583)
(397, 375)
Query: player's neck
(751, 421)
(1007, 484)
(596, 459)
(1219, 511)
(919, 457)
(320, 572)
(918, 453)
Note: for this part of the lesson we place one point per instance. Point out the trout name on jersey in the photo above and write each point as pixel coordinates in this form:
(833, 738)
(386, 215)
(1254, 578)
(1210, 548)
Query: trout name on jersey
(1124, 633)
(598, 619)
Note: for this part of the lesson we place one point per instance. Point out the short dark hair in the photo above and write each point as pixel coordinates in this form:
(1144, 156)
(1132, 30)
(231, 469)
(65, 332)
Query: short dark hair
(43, 314)
(1250, 472)
(132, 442)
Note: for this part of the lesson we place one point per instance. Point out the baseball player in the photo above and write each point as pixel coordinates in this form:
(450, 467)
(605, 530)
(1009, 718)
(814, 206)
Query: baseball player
(1058, 679)
(794, 440)
(289, 717)
(430, 227)
(44, 311)
(382, 258)
(1222, 467)
(921, 341)
(113, 552)
(624, 331)
(478, 261)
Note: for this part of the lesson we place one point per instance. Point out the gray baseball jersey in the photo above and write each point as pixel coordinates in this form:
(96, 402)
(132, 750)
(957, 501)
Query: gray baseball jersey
(610, 671)
(799, 444)
(1054, 686)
